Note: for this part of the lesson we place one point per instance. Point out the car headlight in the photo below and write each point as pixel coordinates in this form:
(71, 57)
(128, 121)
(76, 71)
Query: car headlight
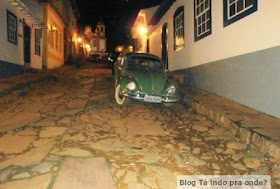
(131, 86)
(171, 90)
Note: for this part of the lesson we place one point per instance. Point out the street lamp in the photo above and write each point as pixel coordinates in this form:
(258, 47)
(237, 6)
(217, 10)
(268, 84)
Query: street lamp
(79, 40)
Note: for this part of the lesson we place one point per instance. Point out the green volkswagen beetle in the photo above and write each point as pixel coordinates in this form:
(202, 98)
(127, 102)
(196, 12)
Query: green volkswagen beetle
(141, 76)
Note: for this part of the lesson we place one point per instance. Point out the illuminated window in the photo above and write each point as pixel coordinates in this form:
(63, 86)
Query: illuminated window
(236, 9)
(12, 27)
(202, 19)
(38, 41)
(178, 18)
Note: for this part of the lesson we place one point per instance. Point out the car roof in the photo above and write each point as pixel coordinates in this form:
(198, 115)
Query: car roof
(148, 55)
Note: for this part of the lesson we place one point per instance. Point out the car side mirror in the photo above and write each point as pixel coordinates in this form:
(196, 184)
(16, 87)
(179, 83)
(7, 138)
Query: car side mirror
(167, 71)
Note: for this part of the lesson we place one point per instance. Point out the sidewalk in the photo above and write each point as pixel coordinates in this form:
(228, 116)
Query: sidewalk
(255, 128)
(7, 85)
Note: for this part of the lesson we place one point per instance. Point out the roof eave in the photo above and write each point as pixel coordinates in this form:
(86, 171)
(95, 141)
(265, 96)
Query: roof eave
(164, 7)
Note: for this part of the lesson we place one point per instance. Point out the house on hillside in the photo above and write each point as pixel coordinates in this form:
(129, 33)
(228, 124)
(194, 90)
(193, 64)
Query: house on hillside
(229, 48)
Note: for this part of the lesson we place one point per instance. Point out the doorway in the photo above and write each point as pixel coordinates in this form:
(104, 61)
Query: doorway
(164, 52)
(26, 44)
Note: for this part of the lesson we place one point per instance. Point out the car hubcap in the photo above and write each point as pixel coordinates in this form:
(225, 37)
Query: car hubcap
(117, 96)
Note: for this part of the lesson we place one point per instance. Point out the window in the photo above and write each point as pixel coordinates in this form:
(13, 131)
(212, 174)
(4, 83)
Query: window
(56, 40)
(234, 10)
(60, 42)
(11, 27)
(202, 19)
(51, 37)
(94, 43)
(38, 41)
(179, 41)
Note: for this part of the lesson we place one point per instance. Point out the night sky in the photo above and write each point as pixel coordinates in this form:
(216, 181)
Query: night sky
(118, 16)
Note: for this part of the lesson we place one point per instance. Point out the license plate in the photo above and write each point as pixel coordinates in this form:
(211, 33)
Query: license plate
(155, 99)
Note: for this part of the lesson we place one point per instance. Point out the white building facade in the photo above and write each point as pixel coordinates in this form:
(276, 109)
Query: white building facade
(20, 39)
(229, 48)
(97, 39)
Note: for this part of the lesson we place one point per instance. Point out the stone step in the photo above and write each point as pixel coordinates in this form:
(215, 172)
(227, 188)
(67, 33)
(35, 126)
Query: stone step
(84, 173)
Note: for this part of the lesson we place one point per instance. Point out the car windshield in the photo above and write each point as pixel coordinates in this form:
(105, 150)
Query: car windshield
(145, 62)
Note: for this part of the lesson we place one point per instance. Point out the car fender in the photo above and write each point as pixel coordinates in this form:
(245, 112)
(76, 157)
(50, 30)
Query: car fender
(169, 83)
(124, 81)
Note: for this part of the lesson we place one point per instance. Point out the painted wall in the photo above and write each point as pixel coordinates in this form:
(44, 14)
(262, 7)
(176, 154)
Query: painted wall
(67, 14)
(142, 20)
(55, 45)
(239, 62)
(251, 79)
(14, 53)
(252, 33)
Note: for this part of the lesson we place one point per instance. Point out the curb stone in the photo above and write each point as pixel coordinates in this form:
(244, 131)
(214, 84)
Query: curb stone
(246, 135)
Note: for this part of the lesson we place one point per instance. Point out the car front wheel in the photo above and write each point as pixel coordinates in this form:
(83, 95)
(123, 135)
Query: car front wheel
(171, 106)
(121, 100)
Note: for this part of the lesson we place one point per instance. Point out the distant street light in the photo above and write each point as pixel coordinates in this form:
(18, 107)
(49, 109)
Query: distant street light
(79, 40)
(119, 49)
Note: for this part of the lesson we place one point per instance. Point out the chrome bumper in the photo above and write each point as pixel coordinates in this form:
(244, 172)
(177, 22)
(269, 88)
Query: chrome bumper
(163, 99)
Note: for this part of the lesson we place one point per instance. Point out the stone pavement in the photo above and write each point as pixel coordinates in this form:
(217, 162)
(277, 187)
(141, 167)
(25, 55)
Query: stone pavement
(254, 128)
(10, 84)
(144, 145)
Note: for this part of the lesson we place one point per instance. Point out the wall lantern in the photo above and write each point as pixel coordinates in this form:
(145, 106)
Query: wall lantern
(142, 30)
(52, 29)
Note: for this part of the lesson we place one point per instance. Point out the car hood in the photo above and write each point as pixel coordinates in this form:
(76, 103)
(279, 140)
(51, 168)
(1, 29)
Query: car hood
(149, 81)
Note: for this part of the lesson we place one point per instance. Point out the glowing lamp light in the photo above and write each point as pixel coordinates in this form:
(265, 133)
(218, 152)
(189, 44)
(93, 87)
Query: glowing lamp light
(142, 30)
(130, 48)
(120, 49)
(79, 40)
(87, 46)
(53, 28)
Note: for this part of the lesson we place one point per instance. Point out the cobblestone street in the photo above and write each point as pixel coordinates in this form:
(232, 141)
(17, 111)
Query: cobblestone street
(144, 145)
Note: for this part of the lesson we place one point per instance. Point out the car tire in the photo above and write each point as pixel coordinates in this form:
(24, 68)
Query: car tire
(122, 101)
(171, 106)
